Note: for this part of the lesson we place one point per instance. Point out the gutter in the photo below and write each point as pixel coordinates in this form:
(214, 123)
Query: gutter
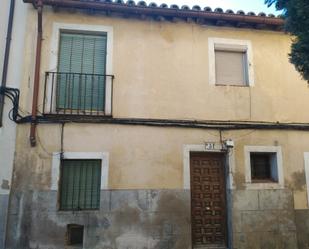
(36, 84)
(6, 57)
(158, 11)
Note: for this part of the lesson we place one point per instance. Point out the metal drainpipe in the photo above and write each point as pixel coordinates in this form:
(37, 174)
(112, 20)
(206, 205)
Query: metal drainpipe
(36, 84)
(6, 57)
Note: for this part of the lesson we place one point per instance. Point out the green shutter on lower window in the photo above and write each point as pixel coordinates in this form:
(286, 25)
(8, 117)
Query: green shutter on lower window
(81, 67)
(80, 184)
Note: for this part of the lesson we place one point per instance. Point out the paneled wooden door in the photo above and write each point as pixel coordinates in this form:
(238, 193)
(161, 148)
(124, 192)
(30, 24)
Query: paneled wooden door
(208, 200)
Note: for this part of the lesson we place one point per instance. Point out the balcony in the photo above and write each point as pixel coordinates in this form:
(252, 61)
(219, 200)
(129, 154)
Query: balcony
(78, 94)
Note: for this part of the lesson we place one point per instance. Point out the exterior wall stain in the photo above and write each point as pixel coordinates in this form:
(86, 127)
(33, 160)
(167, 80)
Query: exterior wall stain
(297, 181)
(152, 219)
(136, 219)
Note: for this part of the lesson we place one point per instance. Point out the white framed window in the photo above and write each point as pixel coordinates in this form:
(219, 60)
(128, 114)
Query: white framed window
(263, 167)
(78, 177)
(306, 157)
(81, 69)
(230, 62)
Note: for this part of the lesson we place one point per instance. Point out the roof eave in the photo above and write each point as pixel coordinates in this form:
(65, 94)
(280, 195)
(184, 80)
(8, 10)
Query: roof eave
(274, 22)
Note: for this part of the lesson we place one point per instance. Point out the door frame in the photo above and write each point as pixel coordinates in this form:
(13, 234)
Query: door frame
(229, 172)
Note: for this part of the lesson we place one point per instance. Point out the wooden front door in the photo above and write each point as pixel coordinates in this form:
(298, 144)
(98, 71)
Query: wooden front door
(208, 200)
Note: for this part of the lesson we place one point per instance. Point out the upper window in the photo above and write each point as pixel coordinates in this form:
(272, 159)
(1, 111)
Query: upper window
(81, 72)
(230, 62)
(80, 77)
(231, 68)
(264, 167)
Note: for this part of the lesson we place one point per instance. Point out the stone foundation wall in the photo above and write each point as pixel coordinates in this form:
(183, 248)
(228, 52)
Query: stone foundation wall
(264, 219)
(139, 219)
(302, 228)
(155, 219)
(4, 200)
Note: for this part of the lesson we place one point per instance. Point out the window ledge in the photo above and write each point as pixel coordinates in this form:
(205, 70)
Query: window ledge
(228, 85)
(264, 185)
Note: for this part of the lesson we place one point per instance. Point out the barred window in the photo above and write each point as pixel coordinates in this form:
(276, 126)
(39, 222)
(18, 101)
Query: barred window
(263, 167)
(80, 184)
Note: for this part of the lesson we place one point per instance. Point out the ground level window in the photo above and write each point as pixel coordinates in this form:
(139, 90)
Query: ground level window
(75, 235)
(80, 182)
(263, 167)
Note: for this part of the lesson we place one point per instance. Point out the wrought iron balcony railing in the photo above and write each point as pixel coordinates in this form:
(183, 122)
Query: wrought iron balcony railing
(78, 94)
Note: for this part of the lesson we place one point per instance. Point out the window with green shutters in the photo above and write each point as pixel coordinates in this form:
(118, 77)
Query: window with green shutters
(81, 71)
(80, 184)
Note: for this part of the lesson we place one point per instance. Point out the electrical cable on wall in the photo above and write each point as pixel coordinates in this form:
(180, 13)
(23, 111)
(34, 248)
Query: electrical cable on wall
(13, 95)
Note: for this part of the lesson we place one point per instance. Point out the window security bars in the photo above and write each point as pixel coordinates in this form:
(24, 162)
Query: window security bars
(76, 93)
(80, 184)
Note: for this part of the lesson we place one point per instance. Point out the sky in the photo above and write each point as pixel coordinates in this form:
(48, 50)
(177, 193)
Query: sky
(245, 5)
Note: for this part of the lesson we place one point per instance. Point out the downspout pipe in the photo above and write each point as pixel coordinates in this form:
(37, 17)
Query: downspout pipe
(6, 57)
(36, 84)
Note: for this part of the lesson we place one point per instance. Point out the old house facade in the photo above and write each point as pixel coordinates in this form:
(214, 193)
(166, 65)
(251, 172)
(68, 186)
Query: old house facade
(158, 127)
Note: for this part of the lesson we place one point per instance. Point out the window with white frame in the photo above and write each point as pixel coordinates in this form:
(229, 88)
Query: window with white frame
(80, 75)
(79, 177)
(264, 166)
(230, 62)
(80, 181)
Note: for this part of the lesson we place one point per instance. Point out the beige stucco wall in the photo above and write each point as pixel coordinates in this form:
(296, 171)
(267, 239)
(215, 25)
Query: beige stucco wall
(149, 157)
(161, 71)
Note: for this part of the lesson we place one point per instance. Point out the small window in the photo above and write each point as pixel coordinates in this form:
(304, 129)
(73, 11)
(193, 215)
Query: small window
(75, 235)
(231, 68)
(263, 167)
(230, 62)
(80, 182)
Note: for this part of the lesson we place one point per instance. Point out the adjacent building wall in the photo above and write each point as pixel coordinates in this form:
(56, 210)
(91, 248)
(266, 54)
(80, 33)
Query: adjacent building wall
(14, 79)
(6, 164)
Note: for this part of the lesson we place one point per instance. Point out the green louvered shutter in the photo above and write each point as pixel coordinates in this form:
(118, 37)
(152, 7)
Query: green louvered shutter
(80, 184)
(81, 66)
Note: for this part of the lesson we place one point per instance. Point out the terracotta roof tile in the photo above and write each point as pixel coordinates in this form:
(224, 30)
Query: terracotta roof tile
(164, 11)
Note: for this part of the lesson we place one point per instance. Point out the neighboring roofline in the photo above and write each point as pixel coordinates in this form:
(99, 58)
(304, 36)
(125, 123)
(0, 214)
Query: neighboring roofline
(207, 16)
